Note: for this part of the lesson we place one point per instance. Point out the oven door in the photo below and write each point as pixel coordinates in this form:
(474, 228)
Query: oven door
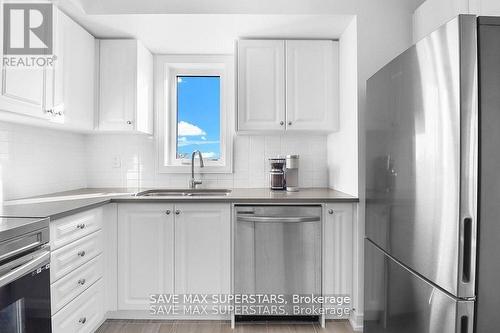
(25, 294)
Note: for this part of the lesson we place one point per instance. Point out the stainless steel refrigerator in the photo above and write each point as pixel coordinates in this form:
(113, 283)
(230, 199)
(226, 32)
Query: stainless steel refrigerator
(432, 248)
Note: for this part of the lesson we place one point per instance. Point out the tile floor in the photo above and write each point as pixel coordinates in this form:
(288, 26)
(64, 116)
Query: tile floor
(145, 326)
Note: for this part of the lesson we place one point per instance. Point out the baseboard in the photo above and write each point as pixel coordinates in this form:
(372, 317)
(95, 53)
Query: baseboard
(145, 315)
(356, 321)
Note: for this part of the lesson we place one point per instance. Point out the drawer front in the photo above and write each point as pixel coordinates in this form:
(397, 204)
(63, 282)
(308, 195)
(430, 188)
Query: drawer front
(74, 227)
(73, 284)
(84, 314)
(72, 256)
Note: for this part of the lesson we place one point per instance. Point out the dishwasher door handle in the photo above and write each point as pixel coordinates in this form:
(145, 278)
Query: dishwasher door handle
(277, 219)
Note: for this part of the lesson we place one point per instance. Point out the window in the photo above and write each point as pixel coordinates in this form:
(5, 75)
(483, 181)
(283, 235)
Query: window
(195, 103)
(198, 116)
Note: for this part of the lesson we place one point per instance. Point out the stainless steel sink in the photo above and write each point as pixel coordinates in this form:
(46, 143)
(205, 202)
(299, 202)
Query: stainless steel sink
(205, 192)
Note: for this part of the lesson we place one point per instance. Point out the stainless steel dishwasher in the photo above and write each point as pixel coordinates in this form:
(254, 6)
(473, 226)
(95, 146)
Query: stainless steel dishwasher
(277, 251)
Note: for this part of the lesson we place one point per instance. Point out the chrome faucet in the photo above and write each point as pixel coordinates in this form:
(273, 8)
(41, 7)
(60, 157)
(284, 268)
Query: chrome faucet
(193, 182)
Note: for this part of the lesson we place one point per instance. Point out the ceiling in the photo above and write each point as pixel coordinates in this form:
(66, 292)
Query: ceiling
(204, 33)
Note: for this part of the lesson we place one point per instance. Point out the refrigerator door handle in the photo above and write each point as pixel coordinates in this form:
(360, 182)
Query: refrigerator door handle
(467, 250)
(465, 317)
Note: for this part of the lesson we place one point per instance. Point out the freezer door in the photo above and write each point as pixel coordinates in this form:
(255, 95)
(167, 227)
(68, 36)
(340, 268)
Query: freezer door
(397, 300)
(421, 157)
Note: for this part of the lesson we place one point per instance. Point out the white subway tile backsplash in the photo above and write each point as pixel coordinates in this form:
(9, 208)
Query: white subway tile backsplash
(250, 160)
(36, 161)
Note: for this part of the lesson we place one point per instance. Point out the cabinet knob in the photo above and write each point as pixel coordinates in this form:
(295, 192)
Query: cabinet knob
(81, 282)
(49, 111)
(129, 122)
(289, 123)
(168, 212)
(81, 253)
(81, 226)
(282, 123)
(330, 211)
(177, 212)
(83, 320)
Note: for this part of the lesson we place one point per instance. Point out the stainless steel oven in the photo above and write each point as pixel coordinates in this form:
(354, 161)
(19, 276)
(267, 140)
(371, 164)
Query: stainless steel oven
(278, 252)
(24, 276)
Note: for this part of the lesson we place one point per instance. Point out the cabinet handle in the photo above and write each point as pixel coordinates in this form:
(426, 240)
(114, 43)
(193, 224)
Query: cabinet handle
(81, 226)
(129, 122)
(83, 320)
(177, 212)
(289, 123)
(330, 211)
(282, 123)
(81, 253)
(49, 111)
(81, 282)
(168, 212)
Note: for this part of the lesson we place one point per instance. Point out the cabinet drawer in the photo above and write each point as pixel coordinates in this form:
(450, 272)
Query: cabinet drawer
(70, 257)
(74, 227)
(82, 315)
(73, 284)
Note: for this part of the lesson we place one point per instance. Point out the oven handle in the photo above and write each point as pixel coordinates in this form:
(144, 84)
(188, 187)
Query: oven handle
(25, 268)
(272, 219)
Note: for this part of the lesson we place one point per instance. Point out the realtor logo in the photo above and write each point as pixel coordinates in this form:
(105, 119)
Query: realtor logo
(27, 29)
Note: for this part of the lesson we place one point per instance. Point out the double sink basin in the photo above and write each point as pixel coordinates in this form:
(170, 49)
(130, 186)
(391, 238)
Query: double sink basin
(185, 193)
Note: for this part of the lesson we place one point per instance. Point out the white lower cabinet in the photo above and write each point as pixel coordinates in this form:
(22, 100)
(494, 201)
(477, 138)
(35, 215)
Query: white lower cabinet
(202, 249)
(145, 253)
(166, 248)
(67, 288)
(338, 250)
(76, 272)
(82, 315)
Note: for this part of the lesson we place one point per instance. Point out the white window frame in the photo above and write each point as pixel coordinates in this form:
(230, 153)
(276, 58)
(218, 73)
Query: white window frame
(167, 69)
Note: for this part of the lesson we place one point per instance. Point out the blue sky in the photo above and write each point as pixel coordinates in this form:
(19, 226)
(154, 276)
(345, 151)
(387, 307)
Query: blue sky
(198, 115)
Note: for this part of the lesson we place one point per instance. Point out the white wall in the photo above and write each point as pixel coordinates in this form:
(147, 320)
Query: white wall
(434, 13)
(431, 14)
(138, 164)
(343, 145)
(35, 161)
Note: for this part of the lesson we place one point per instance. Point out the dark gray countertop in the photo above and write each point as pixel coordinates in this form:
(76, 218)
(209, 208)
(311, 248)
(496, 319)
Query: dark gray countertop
(61, 204)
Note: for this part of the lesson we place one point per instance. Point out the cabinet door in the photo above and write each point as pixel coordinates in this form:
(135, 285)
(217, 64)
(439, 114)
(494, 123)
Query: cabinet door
(337, 249)
(311, 85)
(117, 101)
(261, 85)
(145, 253)
(202, 248)
(74, 75)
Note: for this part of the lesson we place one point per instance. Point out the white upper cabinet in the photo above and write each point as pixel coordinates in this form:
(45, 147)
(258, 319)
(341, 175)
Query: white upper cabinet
(126, 86)
(287, 85)
(311, 85)
(23, 89)
(261, 85)
(62, 94)
(73, 99)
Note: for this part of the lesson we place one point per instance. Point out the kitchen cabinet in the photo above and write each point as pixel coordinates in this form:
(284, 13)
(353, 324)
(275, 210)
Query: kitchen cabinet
(162, 245)
(202, 248)
(62, 94)
(73, 97)
(287, 85)
(311, 85)
(338, 243)
(145, 253)
(261, 85)
(126, 86)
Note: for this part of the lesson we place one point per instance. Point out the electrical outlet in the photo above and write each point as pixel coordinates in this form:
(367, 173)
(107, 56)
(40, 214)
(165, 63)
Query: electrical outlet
(117, 162)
